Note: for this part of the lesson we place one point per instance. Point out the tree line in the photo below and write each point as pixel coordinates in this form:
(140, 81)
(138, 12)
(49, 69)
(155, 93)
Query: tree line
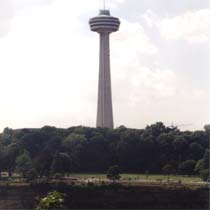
(156, 149)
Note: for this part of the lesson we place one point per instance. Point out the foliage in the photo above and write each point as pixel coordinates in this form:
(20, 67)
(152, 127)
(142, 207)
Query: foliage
(202, 166)
(187, 167)
(196, 150)
(206, 159)
(204, 174)
(168, 169)
(31, 175)
(51, 150)
(113, 173)
(54, 200)
(23, 164)
(199, 166)
(60, 163)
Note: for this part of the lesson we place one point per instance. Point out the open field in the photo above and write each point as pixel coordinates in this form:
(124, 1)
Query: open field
(126, 180)
(129, 180)
(128, 177)
(151, 177)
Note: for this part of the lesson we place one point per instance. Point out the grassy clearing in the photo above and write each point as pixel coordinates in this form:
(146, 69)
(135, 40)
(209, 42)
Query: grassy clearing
(129, 177)
(140, 177)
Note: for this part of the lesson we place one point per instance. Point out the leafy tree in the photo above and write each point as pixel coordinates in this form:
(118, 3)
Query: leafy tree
(5, 139)
(23, 164)
(113, 173)
(74, 145)
(73, 138)
(206, 158)
(95, 153)
(165, 141)
(201, 137)
(7, 131)
(31, 175)
(54, 200)
(11, 152)
(33, 142)
(202, 166)
(42, 163)
(61, 163)
(196, 151)
(131, 146)
(207, 129)
(95, 149)
(187, 167)
(180, 145)
(199, 166)
(156, 129)
(168, 169)
(204, 174)
(2, 160)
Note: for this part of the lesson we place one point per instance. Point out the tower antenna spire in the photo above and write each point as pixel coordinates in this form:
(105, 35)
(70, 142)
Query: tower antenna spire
(104, 4)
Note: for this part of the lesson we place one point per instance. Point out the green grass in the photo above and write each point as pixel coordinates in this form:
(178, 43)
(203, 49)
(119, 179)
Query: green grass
(141, 177)
(88, 176)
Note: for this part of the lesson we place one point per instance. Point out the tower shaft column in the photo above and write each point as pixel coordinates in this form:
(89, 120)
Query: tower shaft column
(104, 112)
(104, 24)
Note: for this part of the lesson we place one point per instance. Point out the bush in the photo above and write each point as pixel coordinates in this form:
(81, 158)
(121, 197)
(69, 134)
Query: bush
(187, 167)
(113, 173)
(31, 175)
(54, 200)
(199, 166)
(58, 176)
(204, 174)
(23, 164)
(168, 169)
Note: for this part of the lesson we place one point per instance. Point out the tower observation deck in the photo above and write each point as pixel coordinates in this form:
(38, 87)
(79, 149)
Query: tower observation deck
(104, 24)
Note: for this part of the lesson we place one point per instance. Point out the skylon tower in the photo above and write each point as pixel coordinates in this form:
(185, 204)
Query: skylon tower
(104, 24)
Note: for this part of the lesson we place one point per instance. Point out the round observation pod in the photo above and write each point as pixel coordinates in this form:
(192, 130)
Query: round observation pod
(104, 23)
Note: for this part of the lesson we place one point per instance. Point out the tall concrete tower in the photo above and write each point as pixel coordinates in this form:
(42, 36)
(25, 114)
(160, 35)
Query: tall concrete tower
(104, 24)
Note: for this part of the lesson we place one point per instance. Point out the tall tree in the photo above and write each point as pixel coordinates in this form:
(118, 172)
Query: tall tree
(23, 164)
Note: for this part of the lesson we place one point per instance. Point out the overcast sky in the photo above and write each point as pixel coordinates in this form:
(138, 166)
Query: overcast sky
(159, 63)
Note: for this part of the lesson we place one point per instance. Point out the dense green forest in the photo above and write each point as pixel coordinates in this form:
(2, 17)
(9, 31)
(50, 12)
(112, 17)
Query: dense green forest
(155, 149)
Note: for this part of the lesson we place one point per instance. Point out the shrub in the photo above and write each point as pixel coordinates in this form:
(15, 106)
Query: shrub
(23, 164)
(204, 174)
(187, 167)
(199, 166)
(54, 200)
(168, 169)
(31, 175)
(58, 176)
(113, 173)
